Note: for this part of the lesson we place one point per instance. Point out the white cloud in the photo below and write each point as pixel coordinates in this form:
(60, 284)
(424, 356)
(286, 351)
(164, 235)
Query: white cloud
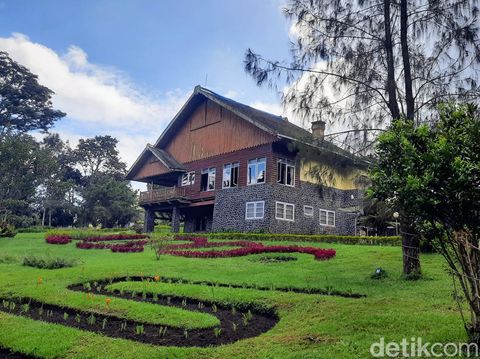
(91, 93)
(98, 100)
(273, 108)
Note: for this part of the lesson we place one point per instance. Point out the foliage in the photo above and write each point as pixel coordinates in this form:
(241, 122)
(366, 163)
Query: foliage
(246, 248)
(7, 230)
(99, 155)
(430, 316)
(108, 201)
(58, 239)
(48, 263)
(24, 168)
(361, 64)
(431, 175)
(378, 240)
(25, 105)
(377, 215)
(158, 244)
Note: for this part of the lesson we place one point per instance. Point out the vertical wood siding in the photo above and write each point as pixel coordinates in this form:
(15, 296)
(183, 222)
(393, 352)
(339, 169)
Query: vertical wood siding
(211, 131)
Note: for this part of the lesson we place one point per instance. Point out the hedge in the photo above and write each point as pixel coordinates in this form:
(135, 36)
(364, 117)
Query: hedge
(322, 238)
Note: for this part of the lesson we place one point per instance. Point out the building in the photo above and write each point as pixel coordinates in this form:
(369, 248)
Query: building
(223, 166)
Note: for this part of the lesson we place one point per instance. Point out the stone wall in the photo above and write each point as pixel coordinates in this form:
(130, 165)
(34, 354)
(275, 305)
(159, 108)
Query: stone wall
(229, 210)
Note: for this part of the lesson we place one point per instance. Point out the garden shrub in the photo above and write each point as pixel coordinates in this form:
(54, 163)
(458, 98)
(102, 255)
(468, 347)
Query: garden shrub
(325, 238)
(7, 230)
(48, 263)
(34, 229)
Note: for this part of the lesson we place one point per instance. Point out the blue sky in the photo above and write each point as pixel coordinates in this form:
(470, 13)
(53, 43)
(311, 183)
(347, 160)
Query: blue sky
(133, 63)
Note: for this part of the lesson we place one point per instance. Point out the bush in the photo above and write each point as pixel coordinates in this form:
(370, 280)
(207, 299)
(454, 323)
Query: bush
(364, 240)
(48, 263)
(34, 229)
(7, 230)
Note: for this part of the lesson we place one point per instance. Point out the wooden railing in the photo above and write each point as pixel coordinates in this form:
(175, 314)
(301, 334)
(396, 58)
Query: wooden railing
(162, 195)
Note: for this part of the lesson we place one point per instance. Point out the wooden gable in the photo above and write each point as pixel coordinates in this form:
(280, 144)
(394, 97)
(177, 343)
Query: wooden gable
(151, 167)
(212, 130)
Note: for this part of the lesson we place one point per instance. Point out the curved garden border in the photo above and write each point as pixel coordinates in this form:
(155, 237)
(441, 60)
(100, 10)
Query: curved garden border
(247, 248)
(243, 322)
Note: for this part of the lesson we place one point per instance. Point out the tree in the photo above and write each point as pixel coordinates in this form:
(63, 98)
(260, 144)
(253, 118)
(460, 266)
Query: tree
(25, 105)
(99, 155)
(361, 64)
(431, 176)
(107, 198)
(377, 215)
(56, 195)
(24, 166)
(108, 202)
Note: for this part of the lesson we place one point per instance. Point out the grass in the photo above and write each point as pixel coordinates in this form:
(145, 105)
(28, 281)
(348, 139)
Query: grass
(311, 326)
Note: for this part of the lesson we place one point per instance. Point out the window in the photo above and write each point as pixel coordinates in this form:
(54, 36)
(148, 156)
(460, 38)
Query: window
(208, 180)
(230, 175)
(327, 218)
(284, 211)
(286, 172)
(308, 211)
(254, 210)
(188, 178)
(256, 170)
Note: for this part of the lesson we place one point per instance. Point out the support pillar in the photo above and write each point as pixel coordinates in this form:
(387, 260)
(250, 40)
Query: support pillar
(149, 220)
(175, 219)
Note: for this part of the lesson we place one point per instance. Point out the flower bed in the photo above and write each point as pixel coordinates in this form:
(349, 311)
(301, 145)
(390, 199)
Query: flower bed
(115, 237)
(134, 242)
(247, 248)
(58, 239)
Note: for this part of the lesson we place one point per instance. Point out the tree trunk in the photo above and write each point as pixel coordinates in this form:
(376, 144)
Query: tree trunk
(391, 84)
(43, 216)
(407, 72)
(411, 251)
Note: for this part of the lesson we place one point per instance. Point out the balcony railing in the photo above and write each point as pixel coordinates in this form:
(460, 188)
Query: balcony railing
(163, 195)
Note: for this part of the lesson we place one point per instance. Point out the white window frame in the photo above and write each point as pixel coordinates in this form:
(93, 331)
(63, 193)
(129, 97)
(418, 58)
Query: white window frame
(255, 205)
(231, 166)
(190, 176)
(305, 212)
(255, 164)
(284, 215)
(328, 213)
(288, 164)
(211, 172)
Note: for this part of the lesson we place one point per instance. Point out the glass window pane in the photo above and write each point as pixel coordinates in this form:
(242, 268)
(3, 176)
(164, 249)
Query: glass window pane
(261, 172)
(259, 210)
(289, 211)
(280, 210)
(281, 172)
(290, 175)
(227, 170)
(331, 218)
(323, 217)
(251, 174)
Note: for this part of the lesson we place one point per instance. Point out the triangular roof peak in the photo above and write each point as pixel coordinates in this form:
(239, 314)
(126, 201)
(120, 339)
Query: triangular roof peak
(273, 124)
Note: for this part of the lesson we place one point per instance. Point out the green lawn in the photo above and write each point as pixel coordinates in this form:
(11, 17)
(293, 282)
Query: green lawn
(310, 326)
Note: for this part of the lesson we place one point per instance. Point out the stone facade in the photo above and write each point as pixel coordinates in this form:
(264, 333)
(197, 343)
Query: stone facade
(230, 207)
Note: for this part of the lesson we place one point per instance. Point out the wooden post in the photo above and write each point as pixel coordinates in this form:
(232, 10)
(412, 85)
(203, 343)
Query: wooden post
(149, 221)
(175, 219)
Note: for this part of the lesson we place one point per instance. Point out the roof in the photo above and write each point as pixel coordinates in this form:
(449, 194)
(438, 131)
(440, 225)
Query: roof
(275, 125)
(163, 156)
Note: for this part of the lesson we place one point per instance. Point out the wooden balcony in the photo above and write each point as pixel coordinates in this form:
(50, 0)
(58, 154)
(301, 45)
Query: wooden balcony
(167, 194)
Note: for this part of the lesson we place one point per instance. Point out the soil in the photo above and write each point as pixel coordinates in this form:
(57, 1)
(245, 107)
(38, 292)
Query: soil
(233, 324)
(7, 354)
